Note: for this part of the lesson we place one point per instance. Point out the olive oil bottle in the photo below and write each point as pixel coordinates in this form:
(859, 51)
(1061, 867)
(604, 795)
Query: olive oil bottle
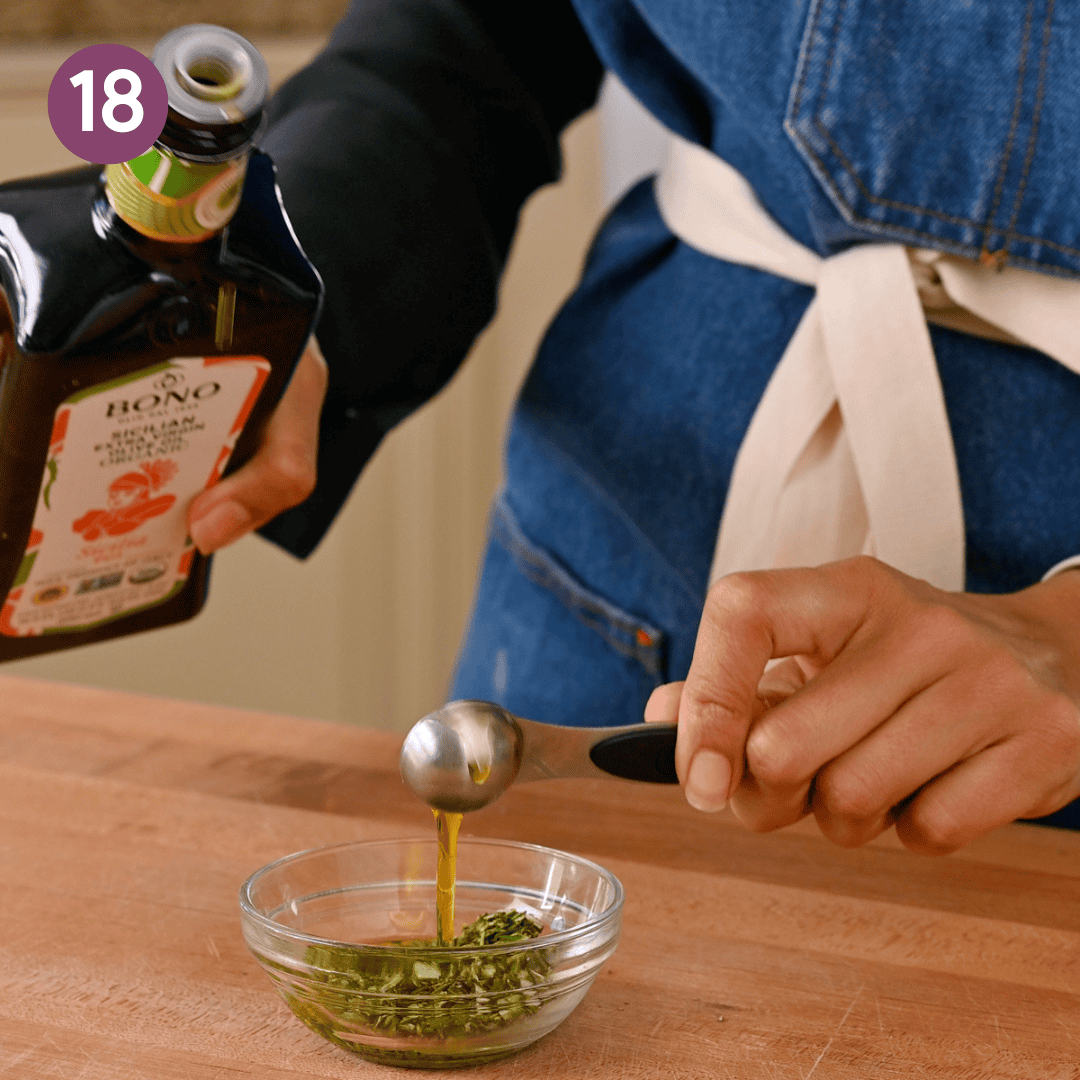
(151, 314)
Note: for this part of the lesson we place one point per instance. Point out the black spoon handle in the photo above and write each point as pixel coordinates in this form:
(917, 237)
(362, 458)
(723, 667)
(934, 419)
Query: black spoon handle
(645, 753)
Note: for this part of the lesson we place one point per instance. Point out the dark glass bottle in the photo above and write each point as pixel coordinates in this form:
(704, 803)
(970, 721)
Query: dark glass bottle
(150, 318)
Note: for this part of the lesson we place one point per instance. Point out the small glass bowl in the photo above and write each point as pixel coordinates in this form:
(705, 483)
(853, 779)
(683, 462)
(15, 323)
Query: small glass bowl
(329, 926)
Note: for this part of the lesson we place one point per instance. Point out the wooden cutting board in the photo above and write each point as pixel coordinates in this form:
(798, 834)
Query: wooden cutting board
(127, 825)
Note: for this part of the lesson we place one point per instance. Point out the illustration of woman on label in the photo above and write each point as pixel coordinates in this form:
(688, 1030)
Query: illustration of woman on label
(130, 503)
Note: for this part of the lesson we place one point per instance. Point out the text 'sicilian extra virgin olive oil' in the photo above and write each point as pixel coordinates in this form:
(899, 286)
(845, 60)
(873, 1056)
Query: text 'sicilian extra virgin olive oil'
(151, 314)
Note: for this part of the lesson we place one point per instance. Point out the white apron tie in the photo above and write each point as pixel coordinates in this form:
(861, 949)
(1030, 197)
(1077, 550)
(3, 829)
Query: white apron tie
(849, 451)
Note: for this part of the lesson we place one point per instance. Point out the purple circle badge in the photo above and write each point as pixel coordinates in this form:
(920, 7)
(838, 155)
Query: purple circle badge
(108, 103)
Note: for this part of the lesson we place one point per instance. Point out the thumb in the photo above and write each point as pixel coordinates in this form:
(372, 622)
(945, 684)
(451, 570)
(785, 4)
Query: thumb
(748, 619)
(282, 472)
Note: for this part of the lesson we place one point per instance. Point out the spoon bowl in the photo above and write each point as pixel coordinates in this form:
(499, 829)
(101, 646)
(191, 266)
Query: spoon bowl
(463, 756)
(466, 754)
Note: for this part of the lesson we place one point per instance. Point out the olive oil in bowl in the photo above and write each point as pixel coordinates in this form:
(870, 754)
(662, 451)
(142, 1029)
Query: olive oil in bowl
(324, 925)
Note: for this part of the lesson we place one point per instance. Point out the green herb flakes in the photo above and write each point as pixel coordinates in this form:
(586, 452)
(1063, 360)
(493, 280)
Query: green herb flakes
(435, 997)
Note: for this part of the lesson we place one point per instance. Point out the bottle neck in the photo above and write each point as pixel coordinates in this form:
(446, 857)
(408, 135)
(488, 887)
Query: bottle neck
(166, 197)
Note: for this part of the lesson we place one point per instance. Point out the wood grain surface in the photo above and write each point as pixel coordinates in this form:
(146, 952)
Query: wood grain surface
(127, 825)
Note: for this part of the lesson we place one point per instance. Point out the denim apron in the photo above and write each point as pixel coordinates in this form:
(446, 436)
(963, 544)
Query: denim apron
(936, 124)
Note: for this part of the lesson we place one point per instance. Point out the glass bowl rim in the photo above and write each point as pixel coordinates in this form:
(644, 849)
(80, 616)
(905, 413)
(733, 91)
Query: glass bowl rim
(592, 924)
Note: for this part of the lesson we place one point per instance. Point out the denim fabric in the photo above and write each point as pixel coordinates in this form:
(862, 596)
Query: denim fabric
(939, 123)
(950, 127)
(548, 630)
(942, 123)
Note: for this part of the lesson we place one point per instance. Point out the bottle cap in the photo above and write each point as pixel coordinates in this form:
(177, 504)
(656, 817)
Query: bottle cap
(218, 84)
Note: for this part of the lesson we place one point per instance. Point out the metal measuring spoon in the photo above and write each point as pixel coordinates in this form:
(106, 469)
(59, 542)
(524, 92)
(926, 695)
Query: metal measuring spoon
(466, 754)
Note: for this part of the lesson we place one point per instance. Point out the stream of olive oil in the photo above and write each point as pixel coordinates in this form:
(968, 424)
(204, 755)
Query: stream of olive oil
(446, 830)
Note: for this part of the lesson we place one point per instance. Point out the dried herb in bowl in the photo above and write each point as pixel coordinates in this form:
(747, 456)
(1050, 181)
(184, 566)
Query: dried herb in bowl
(415, 991)
(320, 923)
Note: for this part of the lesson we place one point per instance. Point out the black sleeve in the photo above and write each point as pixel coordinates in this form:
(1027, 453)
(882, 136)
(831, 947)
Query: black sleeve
(404, 152)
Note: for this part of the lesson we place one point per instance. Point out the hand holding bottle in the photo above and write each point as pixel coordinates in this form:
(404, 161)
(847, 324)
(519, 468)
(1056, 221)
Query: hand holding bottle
(282, 472)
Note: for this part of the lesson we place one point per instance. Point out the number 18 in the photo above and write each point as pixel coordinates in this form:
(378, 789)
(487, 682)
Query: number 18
(85, 80)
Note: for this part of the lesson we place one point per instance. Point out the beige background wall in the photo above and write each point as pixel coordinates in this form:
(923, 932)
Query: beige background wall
(39, 20)
(366, 630)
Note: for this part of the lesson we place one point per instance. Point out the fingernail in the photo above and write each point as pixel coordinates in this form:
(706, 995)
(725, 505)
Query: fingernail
(225, 523)
(708, 780)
